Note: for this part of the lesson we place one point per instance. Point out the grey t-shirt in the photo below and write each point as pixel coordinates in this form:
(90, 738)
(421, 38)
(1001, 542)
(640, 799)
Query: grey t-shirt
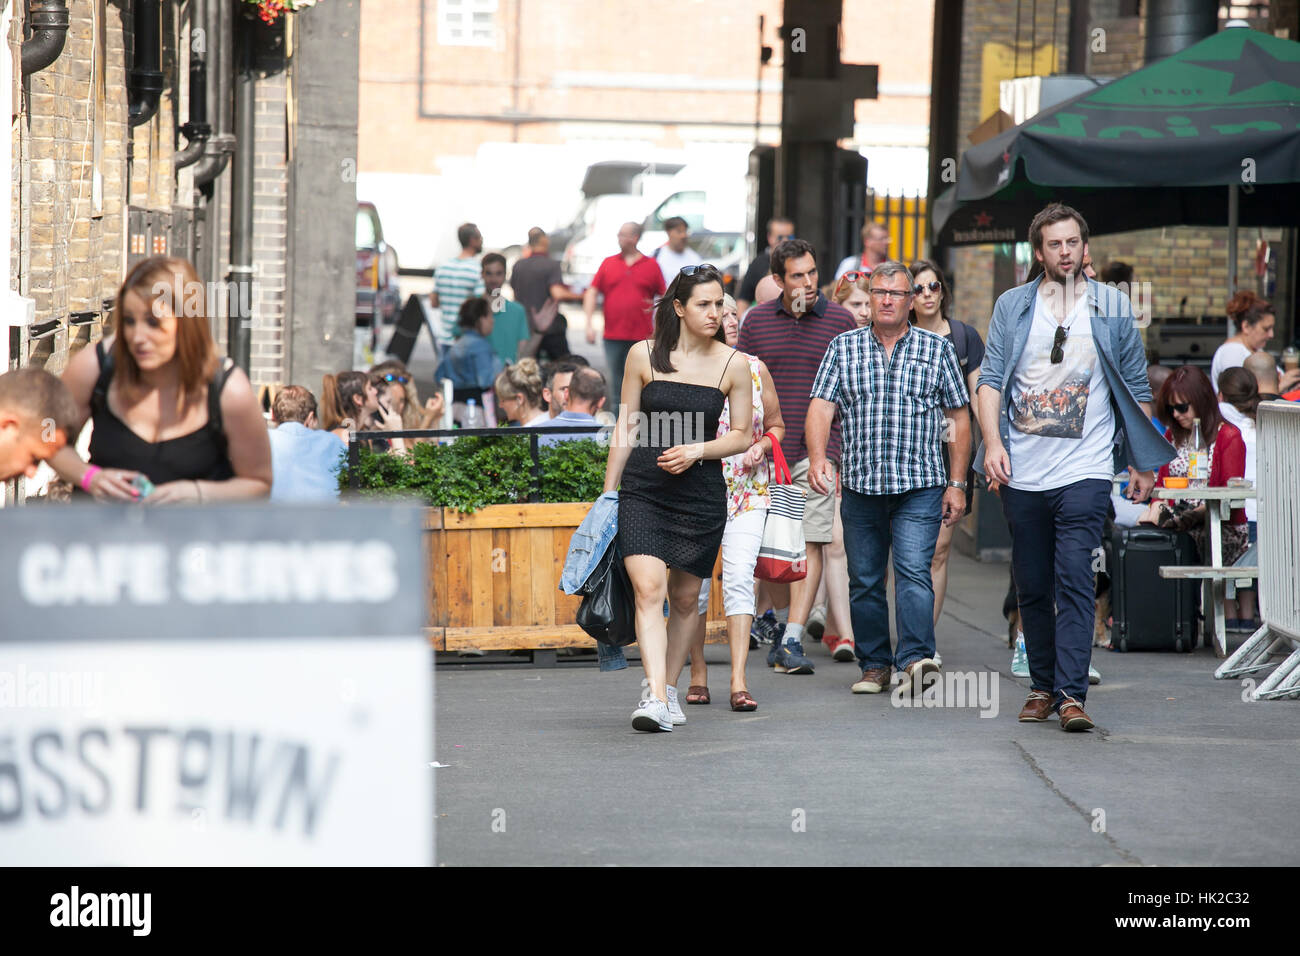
(532, 279)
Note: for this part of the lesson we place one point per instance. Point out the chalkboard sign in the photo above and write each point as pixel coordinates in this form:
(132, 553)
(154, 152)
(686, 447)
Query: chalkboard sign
(414, 316)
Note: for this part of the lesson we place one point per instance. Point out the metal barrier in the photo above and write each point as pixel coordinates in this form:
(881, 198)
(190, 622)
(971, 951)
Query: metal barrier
(1277, 463)
(596, 432)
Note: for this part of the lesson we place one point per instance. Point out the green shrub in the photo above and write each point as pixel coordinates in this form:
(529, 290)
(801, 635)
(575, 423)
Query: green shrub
(473, 472)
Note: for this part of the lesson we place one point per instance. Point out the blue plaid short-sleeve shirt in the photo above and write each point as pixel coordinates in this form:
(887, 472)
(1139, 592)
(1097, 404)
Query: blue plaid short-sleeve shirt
(891, 408)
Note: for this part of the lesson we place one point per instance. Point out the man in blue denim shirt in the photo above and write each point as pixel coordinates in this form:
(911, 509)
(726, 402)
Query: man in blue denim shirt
(1063, 403)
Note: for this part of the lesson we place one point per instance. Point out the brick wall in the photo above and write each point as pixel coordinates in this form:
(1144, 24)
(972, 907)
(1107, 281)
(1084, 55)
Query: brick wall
(270, 219)
(567, 48)
(64, 256)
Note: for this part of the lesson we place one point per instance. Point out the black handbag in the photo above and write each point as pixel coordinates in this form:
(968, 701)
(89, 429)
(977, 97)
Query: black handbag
(608, 609)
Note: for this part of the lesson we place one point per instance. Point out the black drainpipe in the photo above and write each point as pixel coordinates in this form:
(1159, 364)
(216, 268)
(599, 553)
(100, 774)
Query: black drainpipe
(197, 129)
(239, 331)
(46, 28)
(146, 82)
(220, 22)
(1173, 25)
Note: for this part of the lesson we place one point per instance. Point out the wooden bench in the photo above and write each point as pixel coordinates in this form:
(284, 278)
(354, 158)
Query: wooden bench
(1240, 576)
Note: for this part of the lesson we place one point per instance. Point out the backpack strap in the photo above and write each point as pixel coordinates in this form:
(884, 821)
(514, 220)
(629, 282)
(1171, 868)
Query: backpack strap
(99, 397)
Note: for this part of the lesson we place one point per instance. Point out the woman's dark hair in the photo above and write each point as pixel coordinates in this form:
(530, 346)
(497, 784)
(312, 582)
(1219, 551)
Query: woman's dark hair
(471, 310)
(1240, 390)
(338, 392)
(668, 325)
(1246, 308)
(929, 265)
(1192, 385)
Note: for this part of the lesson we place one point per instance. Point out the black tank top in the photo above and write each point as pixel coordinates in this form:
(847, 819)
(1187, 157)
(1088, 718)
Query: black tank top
(199, 456)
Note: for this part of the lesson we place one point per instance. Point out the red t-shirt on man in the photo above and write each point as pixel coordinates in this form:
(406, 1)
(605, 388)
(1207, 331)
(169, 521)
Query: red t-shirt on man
(630, 292)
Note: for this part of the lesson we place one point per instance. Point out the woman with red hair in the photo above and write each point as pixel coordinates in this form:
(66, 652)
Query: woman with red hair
(1185, 396)
(174, 422)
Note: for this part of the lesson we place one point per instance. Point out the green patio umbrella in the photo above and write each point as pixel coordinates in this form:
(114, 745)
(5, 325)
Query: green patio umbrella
(1209, 137)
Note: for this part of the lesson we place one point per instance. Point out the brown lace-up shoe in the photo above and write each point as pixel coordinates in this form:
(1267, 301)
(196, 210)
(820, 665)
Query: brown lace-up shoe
(873, 680)
(1073, 719)
(1038, 707)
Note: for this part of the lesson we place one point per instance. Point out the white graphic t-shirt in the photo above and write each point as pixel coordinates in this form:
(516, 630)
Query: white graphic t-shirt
(1062, 426)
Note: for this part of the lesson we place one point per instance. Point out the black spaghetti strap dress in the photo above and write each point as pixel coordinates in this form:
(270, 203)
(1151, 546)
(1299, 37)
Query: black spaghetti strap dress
(677, 518)
(201, 455)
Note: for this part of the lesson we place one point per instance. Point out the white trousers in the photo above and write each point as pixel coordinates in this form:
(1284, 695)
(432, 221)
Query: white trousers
(740, 543)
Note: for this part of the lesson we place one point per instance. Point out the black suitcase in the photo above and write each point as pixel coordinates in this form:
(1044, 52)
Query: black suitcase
(1151, 613)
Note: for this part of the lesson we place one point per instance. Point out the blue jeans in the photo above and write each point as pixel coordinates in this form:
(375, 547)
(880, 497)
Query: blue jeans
(907, 524)
(610, 658)
(1055, 535)
(615, 360)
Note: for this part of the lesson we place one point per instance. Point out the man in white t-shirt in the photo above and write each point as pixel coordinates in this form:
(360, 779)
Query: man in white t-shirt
(675, 253)
(1064, 371)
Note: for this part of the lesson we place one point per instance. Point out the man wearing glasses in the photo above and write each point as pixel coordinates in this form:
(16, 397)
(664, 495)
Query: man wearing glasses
(1063, 403)
(901, 392)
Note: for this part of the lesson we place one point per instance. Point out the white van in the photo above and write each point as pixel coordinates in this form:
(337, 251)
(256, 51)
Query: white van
(708, 203)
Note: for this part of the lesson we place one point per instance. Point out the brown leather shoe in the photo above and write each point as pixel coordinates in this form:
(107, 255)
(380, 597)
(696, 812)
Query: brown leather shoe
(873, 680)
(914, 675)
(1038, 707)
(1073, 719)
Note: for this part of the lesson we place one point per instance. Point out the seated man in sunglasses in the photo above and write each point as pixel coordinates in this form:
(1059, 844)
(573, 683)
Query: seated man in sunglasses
(1063, 403)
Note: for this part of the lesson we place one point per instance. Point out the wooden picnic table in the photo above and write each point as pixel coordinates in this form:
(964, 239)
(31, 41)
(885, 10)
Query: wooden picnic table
(1216, 579)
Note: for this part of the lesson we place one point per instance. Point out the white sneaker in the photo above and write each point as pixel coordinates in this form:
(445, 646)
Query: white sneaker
(675, 713)
(652, 716)
(1094, 675)
(938, 658)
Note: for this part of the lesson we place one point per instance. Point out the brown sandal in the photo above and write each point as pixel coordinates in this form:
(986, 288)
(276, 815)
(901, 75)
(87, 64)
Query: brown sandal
(697, 694)
(741, 700)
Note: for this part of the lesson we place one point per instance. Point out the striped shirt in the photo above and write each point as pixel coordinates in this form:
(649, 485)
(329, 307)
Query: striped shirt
(792, 349)
(892, 407)
(455, 281)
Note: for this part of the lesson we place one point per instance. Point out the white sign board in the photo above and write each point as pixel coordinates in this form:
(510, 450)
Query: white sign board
(217, 686)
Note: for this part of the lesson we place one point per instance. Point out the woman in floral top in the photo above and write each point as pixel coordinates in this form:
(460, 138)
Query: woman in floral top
(747, 478)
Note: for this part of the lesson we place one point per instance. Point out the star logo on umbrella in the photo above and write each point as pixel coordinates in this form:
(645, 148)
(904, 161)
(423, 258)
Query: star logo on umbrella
(983, 219)
(1256, 67)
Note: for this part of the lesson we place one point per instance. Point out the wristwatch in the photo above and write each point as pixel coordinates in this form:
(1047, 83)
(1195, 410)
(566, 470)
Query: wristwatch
(957, 484)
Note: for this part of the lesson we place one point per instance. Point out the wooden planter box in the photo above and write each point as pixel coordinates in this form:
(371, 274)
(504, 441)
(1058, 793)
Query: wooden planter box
(495, 577)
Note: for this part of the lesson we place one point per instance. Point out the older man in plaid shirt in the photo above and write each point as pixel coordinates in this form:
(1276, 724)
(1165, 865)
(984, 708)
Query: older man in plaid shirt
(901, 394)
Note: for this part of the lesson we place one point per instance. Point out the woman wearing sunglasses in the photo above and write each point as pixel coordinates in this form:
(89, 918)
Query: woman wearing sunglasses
(397, 390)
(850, 291)
(672, 506)
(932, 311)
(1186, 396)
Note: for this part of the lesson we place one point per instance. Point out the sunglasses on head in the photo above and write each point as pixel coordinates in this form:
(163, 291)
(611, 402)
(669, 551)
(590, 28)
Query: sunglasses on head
(1058, 353)
(702, 267)
(1180, 407)
(400, 379)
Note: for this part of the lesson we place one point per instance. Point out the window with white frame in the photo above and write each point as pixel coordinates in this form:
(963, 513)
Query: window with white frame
(467, 22)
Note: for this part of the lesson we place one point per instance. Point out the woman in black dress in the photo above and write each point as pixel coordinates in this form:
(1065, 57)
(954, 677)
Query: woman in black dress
(672, 505)
(174, 422)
